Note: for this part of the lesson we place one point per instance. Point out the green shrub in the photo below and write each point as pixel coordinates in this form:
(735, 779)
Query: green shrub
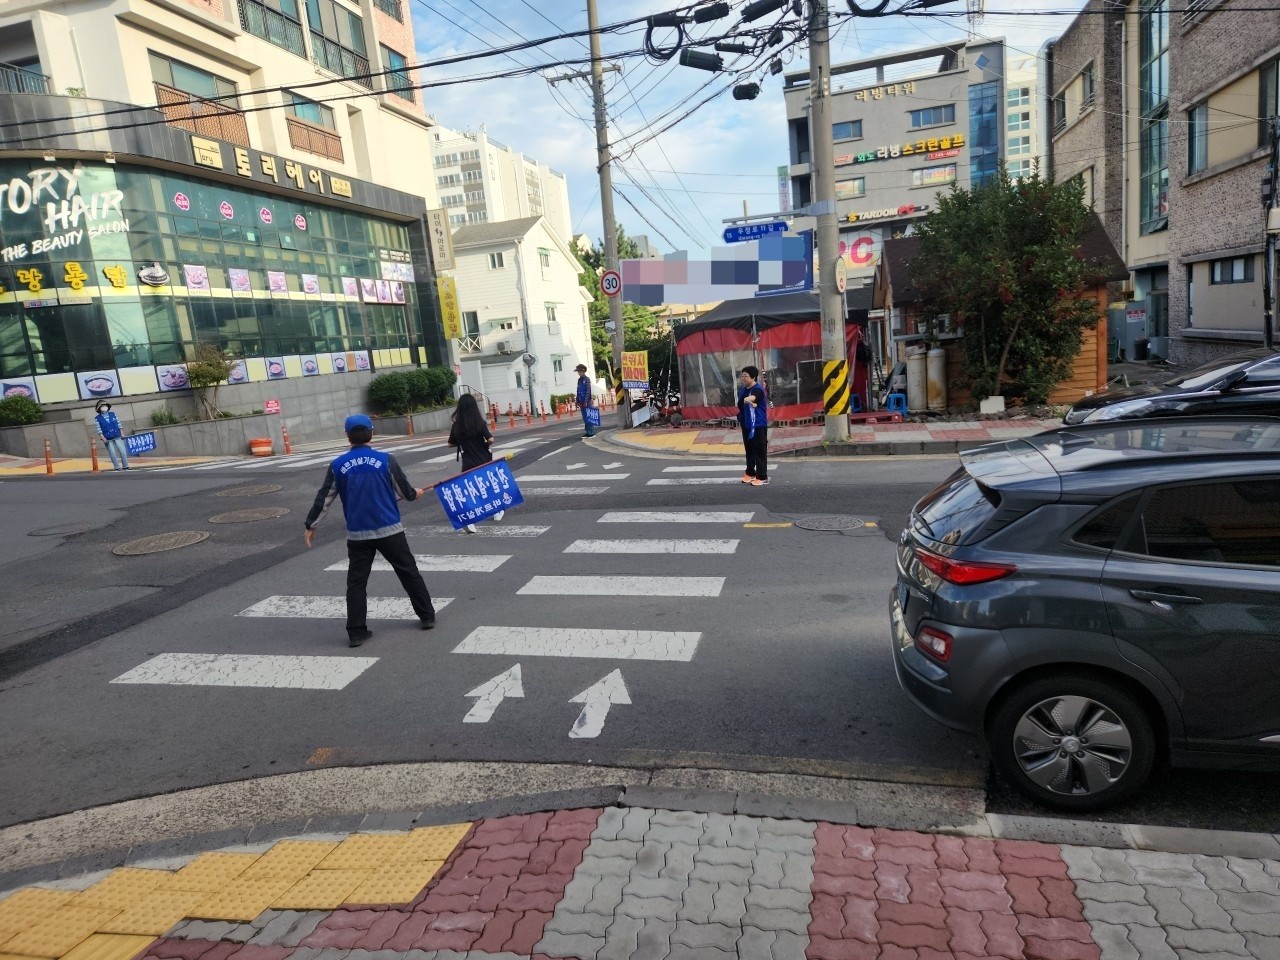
(389, 393)
(19, 411)
(420, 387)
(163, 417)
(559, 398)
(441, 380)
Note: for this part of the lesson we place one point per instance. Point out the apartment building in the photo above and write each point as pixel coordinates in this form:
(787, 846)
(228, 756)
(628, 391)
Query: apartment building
(906, 125)
(218, 171)
(482, 180)
(1163, 116)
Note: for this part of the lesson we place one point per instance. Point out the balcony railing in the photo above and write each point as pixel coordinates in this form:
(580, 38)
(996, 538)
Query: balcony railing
(207, 118)
(18, 80)
(321, 141)
(391, 8)
(272, 26)
(338, 59)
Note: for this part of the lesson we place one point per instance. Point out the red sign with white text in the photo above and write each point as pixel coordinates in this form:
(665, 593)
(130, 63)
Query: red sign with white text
(270, 406)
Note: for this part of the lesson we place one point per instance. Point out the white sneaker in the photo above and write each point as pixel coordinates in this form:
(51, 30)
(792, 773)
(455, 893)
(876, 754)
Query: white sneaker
(499, 515)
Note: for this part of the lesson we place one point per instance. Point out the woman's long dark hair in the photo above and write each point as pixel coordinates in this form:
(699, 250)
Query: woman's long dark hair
(467, 417)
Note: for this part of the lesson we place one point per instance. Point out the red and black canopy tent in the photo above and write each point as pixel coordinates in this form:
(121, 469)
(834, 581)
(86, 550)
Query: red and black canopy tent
(780, 334)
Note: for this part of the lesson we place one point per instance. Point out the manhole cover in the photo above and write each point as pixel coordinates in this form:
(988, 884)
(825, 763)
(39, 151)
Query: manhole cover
(64, 529)
(159, 543)
(830, 522)
(245, 516)
(253, 490)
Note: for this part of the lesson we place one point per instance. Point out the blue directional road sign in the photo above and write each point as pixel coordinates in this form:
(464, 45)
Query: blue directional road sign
(754, 231)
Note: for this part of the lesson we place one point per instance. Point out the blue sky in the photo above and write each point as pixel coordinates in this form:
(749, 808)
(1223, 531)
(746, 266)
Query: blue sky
(701, 170)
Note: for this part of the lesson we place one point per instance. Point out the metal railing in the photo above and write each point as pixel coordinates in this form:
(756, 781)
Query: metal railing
(391, 8)
(469, 344)
(338, 59)
(272, 26)
(20, 80)
(1193, 9)
(206, 118)
(321, 141)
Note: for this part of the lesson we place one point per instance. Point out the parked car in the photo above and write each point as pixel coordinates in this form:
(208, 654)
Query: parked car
(1244, 384)
(1099, 598)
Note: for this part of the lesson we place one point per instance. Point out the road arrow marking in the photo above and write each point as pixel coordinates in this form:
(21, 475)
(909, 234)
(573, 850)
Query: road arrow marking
(575, 466)
(492, 693)
(596, 700)
(612, 466)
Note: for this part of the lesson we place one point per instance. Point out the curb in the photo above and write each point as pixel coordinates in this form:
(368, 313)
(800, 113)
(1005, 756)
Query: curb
(371, 799)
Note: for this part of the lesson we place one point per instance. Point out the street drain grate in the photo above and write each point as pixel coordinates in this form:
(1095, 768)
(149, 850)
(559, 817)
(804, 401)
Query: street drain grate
(64, 529)
(253, 490)
(246, 516)
(829, 522)
(159, 543)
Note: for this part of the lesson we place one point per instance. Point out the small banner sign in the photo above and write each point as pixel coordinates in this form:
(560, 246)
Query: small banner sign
(140, 443)
(479, 493)
(635, 370)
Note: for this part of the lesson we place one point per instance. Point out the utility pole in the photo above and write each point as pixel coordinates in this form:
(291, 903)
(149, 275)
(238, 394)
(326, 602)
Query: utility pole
(1272, 221)
(524, 322)
(835, 365)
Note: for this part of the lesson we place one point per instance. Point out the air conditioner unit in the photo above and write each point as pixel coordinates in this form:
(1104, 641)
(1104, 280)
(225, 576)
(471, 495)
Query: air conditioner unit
(503, 346)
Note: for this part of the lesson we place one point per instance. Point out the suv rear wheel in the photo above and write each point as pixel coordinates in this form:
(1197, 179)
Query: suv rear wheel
(1073, 742)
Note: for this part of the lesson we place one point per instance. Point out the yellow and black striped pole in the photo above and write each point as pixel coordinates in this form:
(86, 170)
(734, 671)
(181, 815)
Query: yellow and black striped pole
(619, 391)
(835, 388)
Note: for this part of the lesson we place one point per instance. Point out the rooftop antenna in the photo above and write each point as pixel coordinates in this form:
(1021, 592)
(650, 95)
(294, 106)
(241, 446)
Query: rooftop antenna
(975, 16)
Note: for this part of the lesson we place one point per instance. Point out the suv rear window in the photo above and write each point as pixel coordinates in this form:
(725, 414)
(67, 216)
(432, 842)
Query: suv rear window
(956, 510)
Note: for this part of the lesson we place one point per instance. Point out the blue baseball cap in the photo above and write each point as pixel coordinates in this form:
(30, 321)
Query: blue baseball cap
(357, 420)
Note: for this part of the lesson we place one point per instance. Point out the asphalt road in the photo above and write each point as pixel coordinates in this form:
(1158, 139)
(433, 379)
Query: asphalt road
(772, 657)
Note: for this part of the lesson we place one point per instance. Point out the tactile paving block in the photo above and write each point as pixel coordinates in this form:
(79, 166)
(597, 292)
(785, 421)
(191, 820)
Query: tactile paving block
(431, 843)
(364, 851)
(288, 860)
(241, 900)
(210, 872)
(395, 883)
(155, 913)
(321, 890)
(59, 931)
(17, 956)
(105, 946)
(121, 888)
(24, 909)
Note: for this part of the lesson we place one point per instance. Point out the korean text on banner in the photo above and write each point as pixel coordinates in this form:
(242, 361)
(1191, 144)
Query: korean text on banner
(140, 443)
(449, 312)
(635, 370)
(479, 493)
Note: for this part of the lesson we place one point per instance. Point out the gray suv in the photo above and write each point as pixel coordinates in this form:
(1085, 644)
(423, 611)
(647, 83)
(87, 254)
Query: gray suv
(1098, 598)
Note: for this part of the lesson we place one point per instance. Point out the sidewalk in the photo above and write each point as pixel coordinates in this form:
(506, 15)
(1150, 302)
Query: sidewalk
(635, 882)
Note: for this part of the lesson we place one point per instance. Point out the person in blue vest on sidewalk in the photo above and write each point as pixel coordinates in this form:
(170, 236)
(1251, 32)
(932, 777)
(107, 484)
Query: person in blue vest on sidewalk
(112, 435)
(367, 481)
(753, 415)
(585, 400)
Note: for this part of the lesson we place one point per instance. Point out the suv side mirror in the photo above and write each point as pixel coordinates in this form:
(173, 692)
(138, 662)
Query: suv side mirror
(1237, 379)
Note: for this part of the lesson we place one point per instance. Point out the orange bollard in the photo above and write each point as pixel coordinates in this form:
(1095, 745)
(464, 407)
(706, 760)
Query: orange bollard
(93, 453)
(288, 449)
(559, 409)
(528, 414)
(543, 407)
(48, 459)
(408, 429)
(511, 417)
(493, 416)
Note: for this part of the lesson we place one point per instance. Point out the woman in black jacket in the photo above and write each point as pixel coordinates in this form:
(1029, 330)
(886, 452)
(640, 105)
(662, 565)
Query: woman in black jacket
(470, 434)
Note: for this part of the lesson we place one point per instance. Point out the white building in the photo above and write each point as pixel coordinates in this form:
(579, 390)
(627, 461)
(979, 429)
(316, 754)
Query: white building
(481, 180)
(1024, 114)
(524, 312)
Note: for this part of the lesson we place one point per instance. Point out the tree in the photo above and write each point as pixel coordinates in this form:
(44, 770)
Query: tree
(1001, 261)
(207, 370)
(637, 322)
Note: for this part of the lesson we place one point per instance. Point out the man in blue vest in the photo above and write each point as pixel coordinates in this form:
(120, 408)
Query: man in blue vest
(367, 481)
(585, 400)
(112, 435)
(753, 415)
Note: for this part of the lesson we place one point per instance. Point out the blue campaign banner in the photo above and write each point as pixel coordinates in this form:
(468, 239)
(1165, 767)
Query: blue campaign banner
(479, 493)
(592, 414)
(140, 443)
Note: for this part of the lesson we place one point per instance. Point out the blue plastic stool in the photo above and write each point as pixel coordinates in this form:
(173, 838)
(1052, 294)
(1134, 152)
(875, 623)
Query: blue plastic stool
(855, 403)
(897, 403)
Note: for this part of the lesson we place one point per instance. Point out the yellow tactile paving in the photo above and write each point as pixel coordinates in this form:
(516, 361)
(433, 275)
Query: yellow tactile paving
(288, 860)
(156, 912)
(17, 956)
(210, 872)
(26, 908)
(105, 946)
(321, 890)
(395, 883)
(121, 888)
(241, 900)
(366, 851)
(430, 843)
(59, 931)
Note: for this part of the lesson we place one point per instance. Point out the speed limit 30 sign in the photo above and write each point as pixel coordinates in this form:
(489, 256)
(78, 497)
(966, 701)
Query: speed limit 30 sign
(610, 283)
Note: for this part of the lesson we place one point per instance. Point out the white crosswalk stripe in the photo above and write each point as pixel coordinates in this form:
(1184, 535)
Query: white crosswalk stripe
(691, 516)
(568, 477)
(248, 670)
(623, 586)
(566, 491)
(724, 468)
(613, 547)
(438, 563)
(335, 608)
(689, 481)
(581, 642)
(482, 529)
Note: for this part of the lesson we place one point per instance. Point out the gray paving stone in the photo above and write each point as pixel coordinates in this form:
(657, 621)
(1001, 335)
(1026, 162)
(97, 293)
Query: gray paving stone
(672, 833)
(716, 831)
(562, 945)
(744, 832)
(1111, 937)
(612, 849)
(1187, 954)
(1121, 912)
(620, 939)
(1208, 912)
(715, 935)
(1218, 874)
(1081, 865)
(1249, 902)
(1109, 892)
(797, 871)
(1113, 865)
(1206, 941)
(1151, 943)
(1253, 876)
(732, 856)
(276, 928)
(778, 899)
(756, 944)
(1262, 948)
(606, 896)
(792, 920)
(649, 887)
(679, 862)
(572, 924)
(1266, 924)
(243, 933)
(1164, 869)
(1170, 910)
(653, 942)
(593, 867)
(203, 930)
(635, 824)
(578, 892)
(650, 908)
(770, 826)
(790, 946)
(698, 902)
(786, 844)
(729, 904)
(679, 818)
(650, 859)
(767, 868)
(610, 824)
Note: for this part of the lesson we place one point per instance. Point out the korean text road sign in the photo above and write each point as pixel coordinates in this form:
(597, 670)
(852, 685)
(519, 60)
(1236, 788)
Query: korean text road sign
(754, 231)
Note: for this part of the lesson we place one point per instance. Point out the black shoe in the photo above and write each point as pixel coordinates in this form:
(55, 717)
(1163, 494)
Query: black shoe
(357, 637)
(430, 622)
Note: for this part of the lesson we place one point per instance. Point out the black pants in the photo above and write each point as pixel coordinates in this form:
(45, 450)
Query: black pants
(395, 550)
(757, 449)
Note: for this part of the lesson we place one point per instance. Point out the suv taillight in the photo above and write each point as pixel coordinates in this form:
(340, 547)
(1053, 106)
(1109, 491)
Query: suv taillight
(961, 572)
(935, 643)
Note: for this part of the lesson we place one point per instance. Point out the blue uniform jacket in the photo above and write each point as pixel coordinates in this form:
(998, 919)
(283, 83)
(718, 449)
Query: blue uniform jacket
(366, 480)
